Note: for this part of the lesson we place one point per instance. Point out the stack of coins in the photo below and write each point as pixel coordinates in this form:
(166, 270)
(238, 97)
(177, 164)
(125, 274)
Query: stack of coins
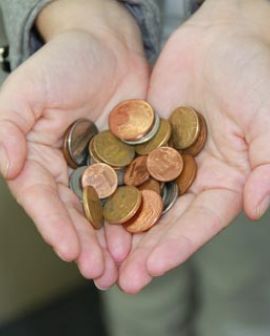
(133, 173)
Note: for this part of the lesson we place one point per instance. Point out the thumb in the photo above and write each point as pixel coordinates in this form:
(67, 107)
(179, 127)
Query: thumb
(257, 187)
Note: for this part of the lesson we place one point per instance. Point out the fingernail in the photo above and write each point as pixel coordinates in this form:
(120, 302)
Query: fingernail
(263, 206)
(4, 163)
(100, 287)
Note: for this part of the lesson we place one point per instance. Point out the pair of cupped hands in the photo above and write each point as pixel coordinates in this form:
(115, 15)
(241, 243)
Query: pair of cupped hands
(217, 62)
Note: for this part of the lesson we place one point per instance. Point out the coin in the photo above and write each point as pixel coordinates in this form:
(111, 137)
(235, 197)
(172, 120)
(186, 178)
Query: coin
(197, 147)
(131, 119)
(75, 182)
(77, 140)
(164, 164)
(169, 196)
(137, 172)
(151, 184)
(92, 154)
(148, 214)
(122, 205)
(160, 139)
(185, 127)
(148, 136)
(102, 178)
(92, 207)
(112, 151)
(188, 175)
(67, 156)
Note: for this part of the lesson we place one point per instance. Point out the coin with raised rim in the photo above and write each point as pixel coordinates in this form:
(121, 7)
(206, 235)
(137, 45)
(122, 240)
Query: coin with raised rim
(148, 214)
(122, 205)
(102, 178)
(131, 119)
(169, 196)
(160, 139)
(151, 184)
(164, 164)
(92, 207)
(137, 172)
(197, 147)
(185, 127)
(112, 151)
(188, 175)
(75, 181)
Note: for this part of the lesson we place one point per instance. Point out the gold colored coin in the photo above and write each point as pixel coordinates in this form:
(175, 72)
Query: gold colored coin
(151, 184)
(131, 119)
(122, 205)
(92, 153)
(92, 207)
(111, 150)
(185, 127)
(160, 139)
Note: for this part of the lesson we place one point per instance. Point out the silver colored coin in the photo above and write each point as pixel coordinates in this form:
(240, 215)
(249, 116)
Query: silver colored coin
(75, 181)
(80, 134)
(120, 176)
(88, 160)
(149, 135)
(169, 196)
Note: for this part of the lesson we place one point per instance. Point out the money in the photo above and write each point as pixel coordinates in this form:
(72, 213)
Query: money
(137, 172)
(92, 207)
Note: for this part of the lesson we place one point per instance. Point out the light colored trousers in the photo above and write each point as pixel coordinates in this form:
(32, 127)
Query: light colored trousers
(224, 290)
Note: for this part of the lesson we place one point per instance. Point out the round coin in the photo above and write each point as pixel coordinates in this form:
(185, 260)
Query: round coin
(160, 139)
(148, 214)
(188, 175)
(122, 205)
(102, 178)
(131, 119)
(92, 207)
(164, 164)
(185, 127)
(75, 182)
(197, 147)
(111, 150)
(169, 196)
(77, 140)
(151, 184)
(137, 172)
(92, 154)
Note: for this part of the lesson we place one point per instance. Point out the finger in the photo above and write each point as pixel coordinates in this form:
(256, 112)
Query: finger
(36, 190)
(210, 212)
(118, 241)
(134, 274)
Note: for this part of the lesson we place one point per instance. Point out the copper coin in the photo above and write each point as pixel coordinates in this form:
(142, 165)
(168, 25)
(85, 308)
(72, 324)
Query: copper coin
(92, 207)
(131, 119)
(188, 175)
(148, 214)
(160, 139)
(112, 151)
(77, 140)
(164, 164)
(185, 127)
(151, 184)
(102, 178)
(137, 172)
(122, 205)
(169, 196)
(75, 181)
(197, 147)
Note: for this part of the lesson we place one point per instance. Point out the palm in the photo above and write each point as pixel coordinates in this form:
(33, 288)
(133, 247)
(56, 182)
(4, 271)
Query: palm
(226, 80)
(75, 76)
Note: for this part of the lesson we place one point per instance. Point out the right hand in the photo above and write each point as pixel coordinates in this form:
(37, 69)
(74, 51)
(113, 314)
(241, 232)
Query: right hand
(77, 74)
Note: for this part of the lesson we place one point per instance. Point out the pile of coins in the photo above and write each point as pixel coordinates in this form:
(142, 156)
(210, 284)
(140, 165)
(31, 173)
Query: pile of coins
(134, 172)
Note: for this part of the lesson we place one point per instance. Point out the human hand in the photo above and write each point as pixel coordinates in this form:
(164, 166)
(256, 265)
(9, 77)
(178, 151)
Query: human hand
(88, 65)
(218, 62)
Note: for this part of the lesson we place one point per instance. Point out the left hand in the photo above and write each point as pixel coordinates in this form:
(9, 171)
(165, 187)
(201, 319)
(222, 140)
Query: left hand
(218, 62)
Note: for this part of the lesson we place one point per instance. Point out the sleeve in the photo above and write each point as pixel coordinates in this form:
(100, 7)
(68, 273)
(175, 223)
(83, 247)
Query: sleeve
(19, 17)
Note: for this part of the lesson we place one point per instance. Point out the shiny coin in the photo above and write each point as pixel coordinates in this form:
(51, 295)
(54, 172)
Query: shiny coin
(75, 181)
(111, 150)
(160, 139)
(120, 176)
(131, 119)
(148, 214)
(185, 127)
(164, 164)
(197, 147)
(188, 175)
(169, 196)
(92, 153)
(92, 207)
(122, 205)
(148, 136)
(102, 178)
(77, 140)
(137, 172)
(151, 184)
